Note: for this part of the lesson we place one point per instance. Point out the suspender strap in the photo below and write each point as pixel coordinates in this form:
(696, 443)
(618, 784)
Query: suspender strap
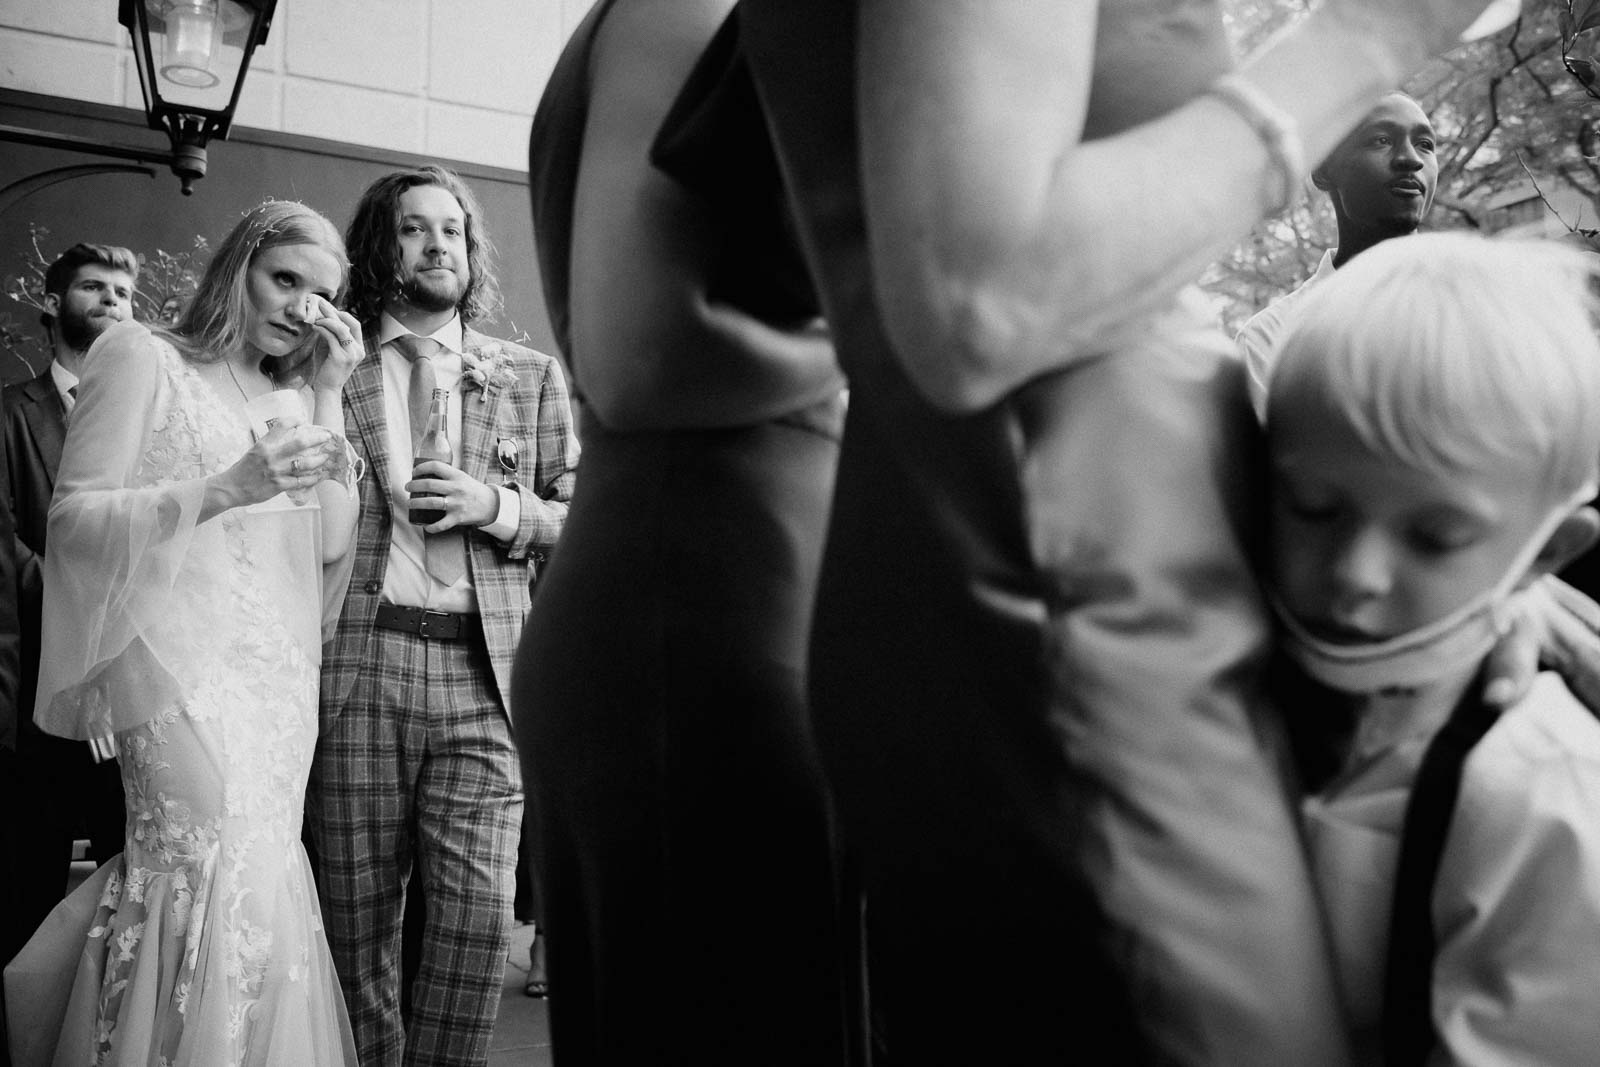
(1408, 1031)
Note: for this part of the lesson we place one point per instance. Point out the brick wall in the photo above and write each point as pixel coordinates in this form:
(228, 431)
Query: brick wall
(451, 79)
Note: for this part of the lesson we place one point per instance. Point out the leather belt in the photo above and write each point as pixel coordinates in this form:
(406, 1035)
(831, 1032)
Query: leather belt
(424, 622)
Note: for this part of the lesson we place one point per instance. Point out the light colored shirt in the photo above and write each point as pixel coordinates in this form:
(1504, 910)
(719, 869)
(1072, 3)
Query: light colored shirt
(1260, 337)
(1516, 902)
(407, 580)
(66, 384)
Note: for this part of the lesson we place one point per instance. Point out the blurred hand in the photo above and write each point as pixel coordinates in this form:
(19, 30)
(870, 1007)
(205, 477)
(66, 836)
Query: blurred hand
(1409, 31)
(1556, 626)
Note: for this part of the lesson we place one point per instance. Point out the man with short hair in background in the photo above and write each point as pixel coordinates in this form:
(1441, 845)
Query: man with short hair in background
(417, 765)
(88, 289)
(1381, 180)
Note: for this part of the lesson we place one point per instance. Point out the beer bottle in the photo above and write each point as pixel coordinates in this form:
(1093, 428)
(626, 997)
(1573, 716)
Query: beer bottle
(435, 444)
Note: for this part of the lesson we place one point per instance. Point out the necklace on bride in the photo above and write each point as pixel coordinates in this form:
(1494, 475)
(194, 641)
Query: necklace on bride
(228, 363)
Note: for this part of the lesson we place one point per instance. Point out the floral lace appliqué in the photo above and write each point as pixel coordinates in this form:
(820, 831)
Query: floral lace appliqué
(208, 897)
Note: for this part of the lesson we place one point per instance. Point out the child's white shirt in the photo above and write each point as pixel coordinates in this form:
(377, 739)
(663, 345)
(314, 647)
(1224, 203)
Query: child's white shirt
(1516, 903)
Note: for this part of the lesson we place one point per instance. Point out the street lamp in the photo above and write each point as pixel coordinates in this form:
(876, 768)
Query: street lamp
(192, 57)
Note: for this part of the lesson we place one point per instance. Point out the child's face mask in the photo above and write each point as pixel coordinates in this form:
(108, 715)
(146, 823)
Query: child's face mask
(1445, 647)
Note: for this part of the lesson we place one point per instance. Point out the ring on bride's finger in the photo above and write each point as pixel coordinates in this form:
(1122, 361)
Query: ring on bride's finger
(294, 465)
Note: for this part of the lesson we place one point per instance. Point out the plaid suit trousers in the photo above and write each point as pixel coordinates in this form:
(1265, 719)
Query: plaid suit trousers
(420, 768)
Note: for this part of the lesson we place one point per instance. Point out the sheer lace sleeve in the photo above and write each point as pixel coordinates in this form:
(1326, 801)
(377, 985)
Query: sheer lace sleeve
(126, 508)
(337, 571)
(346, 470)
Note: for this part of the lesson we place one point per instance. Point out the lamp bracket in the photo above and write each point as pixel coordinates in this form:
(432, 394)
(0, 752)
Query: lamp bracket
(19, 190)
(186, 158)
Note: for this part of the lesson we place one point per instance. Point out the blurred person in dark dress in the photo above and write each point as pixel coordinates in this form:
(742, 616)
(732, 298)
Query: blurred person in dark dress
(685, 852)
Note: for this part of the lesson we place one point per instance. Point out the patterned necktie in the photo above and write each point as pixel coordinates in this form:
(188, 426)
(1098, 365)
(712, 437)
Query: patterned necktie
(445, 554)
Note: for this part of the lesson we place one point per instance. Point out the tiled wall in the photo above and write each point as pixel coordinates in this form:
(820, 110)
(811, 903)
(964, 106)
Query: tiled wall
(452, 79)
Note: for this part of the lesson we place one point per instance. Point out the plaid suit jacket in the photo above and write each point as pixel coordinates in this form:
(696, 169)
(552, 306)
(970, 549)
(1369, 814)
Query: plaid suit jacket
(535, 413)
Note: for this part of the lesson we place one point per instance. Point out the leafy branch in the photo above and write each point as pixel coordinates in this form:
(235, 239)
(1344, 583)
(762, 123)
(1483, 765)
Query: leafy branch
(166, 282)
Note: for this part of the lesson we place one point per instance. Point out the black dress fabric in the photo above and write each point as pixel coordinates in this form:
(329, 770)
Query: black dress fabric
(685, 845)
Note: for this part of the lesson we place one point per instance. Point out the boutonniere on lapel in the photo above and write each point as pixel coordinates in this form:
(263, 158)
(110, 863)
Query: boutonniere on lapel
(486, 371)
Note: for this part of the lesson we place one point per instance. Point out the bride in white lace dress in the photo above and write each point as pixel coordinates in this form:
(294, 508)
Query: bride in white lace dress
(192, 549)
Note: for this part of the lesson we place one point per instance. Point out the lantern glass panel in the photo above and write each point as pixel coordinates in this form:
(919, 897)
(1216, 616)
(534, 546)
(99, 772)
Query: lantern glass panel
(198, 50)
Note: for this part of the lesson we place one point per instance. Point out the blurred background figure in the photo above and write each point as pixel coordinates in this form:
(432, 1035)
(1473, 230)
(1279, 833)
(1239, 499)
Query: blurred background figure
(88, 289)
(1380, 180)
(1038, 631)
(684, 848)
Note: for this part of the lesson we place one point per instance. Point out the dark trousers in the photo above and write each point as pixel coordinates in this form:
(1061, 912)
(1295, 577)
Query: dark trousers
(684, 843)
(53, 792)
(10, 872)
(65, 795)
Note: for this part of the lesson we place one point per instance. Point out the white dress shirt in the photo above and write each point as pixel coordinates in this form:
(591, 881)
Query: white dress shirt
(407, 581)
(66, 382)
(1260, 337)
(1516, 901)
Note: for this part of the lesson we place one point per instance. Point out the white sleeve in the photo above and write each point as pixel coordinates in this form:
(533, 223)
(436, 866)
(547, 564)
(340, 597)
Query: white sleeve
(1517, 910)
(118, 538)
(1256, 341)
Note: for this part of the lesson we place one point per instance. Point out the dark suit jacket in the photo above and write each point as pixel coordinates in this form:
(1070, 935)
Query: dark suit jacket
(35, 427)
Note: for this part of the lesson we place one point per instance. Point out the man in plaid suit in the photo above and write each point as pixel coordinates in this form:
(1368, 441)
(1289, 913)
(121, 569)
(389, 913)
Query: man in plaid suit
(416, 764)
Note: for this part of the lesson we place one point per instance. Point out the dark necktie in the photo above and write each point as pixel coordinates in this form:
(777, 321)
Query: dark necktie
(445, 553)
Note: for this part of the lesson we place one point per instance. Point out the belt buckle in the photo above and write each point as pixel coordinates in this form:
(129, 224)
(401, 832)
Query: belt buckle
(426, 623)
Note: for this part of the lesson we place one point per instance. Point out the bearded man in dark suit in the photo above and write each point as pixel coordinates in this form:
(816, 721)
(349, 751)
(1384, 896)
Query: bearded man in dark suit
(88, 289)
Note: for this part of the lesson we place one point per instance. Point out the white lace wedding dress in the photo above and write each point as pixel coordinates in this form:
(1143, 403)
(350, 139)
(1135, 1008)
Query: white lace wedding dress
(197, 644)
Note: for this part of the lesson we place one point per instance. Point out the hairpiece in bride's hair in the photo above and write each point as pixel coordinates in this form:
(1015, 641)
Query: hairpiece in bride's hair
(268, 230)
(262, 226)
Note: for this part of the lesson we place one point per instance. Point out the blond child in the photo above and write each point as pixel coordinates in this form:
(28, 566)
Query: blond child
(1434, 437)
